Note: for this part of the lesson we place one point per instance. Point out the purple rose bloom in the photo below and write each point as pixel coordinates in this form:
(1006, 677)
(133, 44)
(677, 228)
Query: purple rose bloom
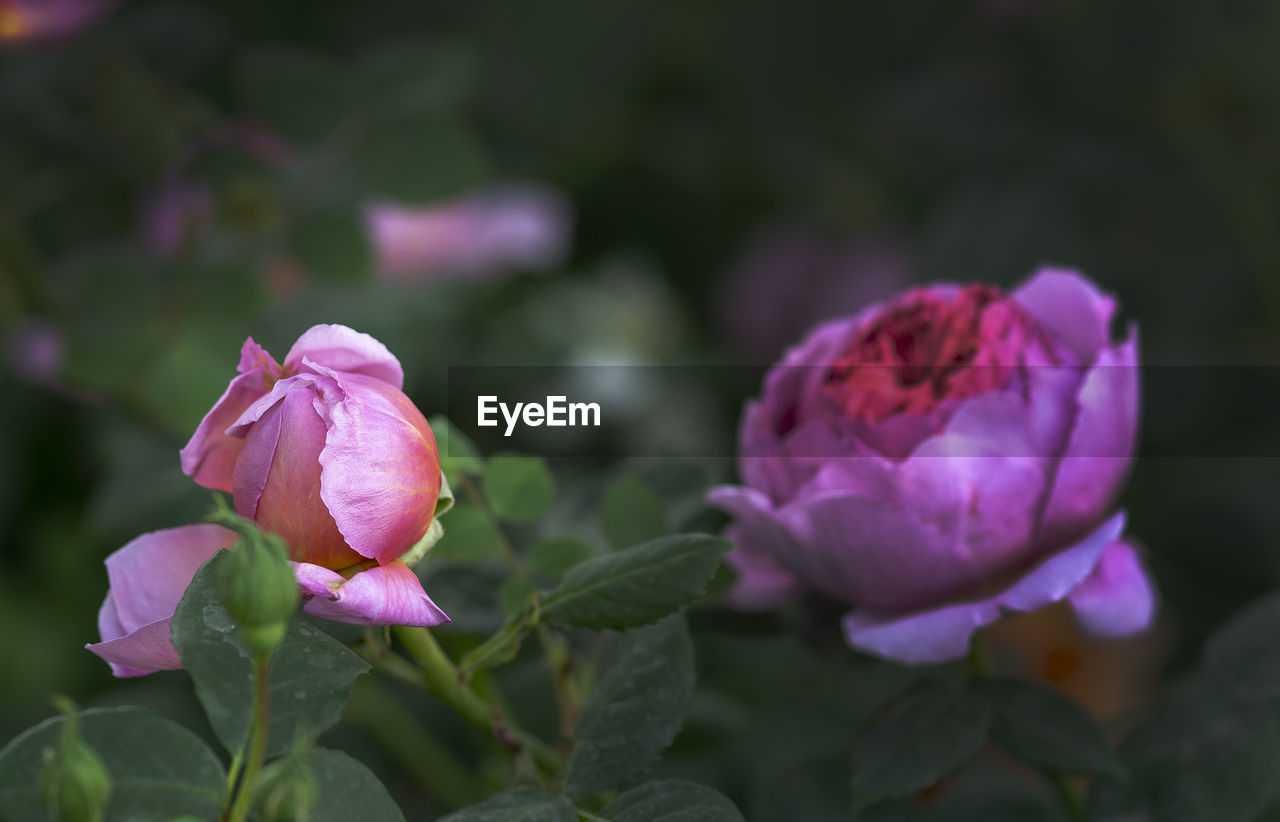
(941, 460)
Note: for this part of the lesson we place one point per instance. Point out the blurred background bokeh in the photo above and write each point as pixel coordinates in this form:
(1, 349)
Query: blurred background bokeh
(625, 182)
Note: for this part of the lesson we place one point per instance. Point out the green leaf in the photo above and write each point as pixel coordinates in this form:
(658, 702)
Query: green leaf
(458, 454)
(311, 673)
(552, 557)
(417, 157)
(331, 244)
(637, 585)
(1202, 758)
(1049, 731)
(159, 770)
(470, 533)
(519, 489)
(297, 92)
(632, 513)
(348, 790)
(671, 800)
(517, 805)
(933, 730)
(1244, 656)
(635, 710)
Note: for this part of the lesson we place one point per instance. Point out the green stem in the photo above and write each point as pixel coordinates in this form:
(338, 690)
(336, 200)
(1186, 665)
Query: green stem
(1071, 800)
(258, 732)
(441, 676)
(232, 775)
(557, 660)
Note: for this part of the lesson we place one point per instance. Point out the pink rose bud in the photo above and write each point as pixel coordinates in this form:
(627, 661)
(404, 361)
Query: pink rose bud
(326, 451)
(941, 460)
(323, 450)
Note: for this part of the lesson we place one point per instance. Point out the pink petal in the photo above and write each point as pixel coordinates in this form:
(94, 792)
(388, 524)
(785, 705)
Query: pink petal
(259, 407)
(258, 449)
(146, 650)
(388, 594)
(149, 575)
(210, 457)
(381, 467)
(943, 634)
(278, 480)
(343, 349)
(1118, 598)
(1071, 307)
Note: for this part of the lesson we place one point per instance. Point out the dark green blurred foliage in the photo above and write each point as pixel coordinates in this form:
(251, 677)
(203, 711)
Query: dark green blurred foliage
(1139, 141)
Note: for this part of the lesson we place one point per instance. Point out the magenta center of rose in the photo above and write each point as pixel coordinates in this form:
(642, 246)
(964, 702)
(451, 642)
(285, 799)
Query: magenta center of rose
(928, 348)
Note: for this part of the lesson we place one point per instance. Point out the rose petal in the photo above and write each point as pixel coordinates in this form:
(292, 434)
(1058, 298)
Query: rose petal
(381, 467)
(146, 650)
(763, 582)
(388, 594)
(890, 559)
(1100, 447)
(149, 575)
(343, 349)
(210, 457)
(1071, 307)
(943, 634)
(321, 383)
(1118, 598)
(278, 480)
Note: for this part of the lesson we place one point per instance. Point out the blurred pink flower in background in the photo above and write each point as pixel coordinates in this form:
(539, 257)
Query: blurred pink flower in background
(943, 459)
(174, 213)
(509, 226)
(35, 350)
(791, 276)
(33, 21)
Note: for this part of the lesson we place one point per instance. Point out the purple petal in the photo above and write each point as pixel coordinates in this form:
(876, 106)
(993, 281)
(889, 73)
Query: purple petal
(146, 650)
(874, 552)
(388, 594)
(343, 349)
(763, 582)
(943, 634)
(1118, 598)
(1071, 307)
(381, 468)
(1100, 447)
(149, 575)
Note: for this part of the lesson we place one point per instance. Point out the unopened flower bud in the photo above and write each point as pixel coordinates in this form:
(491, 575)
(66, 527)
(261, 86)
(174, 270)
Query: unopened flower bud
(74, 782)
(258, 589)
